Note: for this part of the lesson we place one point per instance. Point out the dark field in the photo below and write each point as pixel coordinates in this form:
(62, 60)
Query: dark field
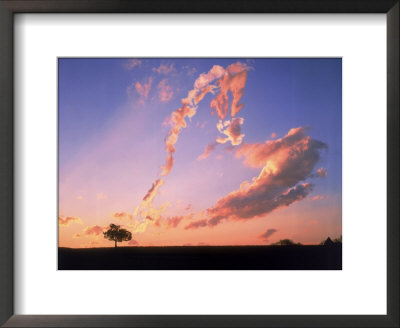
(202, 258)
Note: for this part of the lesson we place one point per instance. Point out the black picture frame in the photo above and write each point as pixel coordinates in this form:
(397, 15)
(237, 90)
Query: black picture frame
(10, 7)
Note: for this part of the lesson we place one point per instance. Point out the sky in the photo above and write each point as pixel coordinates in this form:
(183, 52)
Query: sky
(199, 151)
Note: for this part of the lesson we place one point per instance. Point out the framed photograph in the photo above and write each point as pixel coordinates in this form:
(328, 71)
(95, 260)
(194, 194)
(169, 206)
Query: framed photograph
(220, 164)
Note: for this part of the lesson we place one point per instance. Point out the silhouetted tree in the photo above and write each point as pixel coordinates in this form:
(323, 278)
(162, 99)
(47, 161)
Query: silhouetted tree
(116, 234)
(338, 240)
(286, 242)
(328, 242)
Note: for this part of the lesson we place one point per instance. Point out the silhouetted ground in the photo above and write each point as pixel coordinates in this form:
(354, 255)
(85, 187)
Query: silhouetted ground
(202, 258)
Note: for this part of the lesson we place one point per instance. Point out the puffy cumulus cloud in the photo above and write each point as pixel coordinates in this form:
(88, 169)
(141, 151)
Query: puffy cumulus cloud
(285, 163)
(273, 135)
(268, 233)
(165, 92)
(143, 89)
(251, 203)
(234, 81)
(66, 221)
(164, 69)
(274, 152)
(232, 130)
(322, 172)
(133, 242)
(122, 216)
(132, 63)
(207, 151)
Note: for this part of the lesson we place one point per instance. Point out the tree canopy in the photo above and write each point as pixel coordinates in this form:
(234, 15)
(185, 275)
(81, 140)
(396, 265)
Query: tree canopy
(286, 242)
(117, 234)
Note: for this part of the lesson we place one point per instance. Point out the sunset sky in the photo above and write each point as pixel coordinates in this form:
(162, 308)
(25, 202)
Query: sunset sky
(200, 151)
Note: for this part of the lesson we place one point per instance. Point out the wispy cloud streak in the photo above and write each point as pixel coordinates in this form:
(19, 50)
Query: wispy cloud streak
(232, 79)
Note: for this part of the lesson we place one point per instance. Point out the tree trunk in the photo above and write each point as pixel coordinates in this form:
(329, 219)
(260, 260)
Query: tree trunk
(115, 244)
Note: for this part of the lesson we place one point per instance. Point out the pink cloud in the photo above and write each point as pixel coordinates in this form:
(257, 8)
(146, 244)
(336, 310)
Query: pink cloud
(232, 130)
(268, 233)
(257, 154)
(90, 231)
(204, 79)
(165, 91)
(188, 109)
(146, 209)
(197, 224)
(93, 230)
(207, 151)
(177, 119)
(234, 81)
(322, 172)
(238, 67)
(285, 163)
(122, 216)
(164, 69)
(199, 96)
(153, 190)
(66, 221)
(133, 242)
(174, 221)
(132, 63)
(190, 71)
(143, 89)
(319, 197)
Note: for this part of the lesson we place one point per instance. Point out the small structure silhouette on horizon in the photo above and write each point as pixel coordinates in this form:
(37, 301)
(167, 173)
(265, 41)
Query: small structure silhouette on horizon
(328, 242)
